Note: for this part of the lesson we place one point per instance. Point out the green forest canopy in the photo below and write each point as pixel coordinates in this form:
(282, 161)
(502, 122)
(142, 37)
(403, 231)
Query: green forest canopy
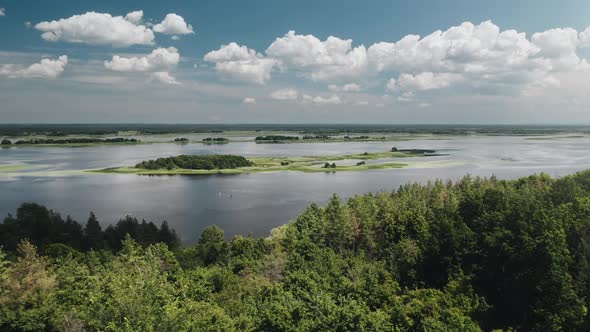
(196, 162)
(479, 254)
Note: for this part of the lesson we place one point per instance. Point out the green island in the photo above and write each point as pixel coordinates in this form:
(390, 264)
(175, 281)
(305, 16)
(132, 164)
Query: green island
(215, 140)
(474, 255)
(79, 141)
(230, 164)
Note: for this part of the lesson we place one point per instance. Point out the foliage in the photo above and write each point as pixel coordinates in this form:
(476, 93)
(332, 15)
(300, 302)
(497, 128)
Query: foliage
(196, 162)
(44, 228)
(480, 254)
(81, 140)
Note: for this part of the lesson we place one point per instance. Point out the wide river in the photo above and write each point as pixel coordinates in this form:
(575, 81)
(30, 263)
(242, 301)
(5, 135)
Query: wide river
(256, 203)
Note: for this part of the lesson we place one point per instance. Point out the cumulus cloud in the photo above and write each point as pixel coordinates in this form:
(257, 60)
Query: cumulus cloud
(350, 87)
(158, 59)
(173, 25)
(331, 59)
(249, 100)
(163, 77)
(241, 63)
(135, 17)
(584, 37)
(423, 81)
(98, 29)
(285, 94)
(2, 12)
(557, 47)
(481, 54)
(331, 100)
(47, 68)
(479, 58)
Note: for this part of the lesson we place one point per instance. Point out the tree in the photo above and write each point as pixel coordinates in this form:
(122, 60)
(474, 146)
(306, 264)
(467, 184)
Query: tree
(93, 235)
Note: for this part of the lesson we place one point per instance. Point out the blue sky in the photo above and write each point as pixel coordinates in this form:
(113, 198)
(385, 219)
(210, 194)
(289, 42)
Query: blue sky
(473, 73)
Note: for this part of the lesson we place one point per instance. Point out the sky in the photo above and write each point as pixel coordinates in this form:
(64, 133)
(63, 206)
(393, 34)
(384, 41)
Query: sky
(373, 62)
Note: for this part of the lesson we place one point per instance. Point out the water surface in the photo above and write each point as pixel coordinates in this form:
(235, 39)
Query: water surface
(256, 203)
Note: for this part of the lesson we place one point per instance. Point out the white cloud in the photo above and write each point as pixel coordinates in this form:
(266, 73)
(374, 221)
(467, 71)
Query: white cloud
(558, 46)
(332, 59)
(249, 100)
(406, 96)
(98, 29)
(28, 25)
(331, 100)
(423, 81)
(47, 68)
(2, 12)
(135, 17)
(482, 55)
(173, 25)
(350, 87)
(285, 94)
(163, 77)
(392, 85)
(241, 63)
(584, 37)
(158, 59)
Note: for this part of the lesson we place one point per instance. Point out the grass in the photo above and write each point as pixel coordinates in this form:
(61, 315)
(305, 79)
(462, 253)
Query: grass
(279, 164)
(12, 168)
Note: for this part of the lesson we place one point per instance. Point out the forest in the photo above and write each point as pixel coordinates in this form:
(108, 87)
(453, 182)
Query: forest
(275, 138)
(81, 140)
(215, 140)
(474, 255)
(196, 162)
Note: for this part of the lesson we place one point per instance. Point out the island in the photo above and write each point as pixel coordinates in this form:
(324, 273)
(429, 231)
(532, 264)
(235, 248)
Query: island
(181, 140)
(215, 140)
(276, 139)
(232, 164)
(83, 141)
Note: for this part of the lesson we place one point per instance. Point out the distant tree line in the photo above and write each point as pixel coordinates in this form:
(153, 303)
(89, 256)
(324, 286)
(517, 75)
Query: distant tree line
(215, 140)
(207, 162)
(71, 141)
(318, 137)
(356, 137)
(45, 229)
(181, 139)
(276, 138)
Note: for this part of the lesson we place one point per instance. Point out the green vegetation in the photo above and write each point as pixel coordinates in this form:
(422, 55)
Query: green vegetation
(477, 255)
(228, 164)
(206, 162)
(45, 228)
(51, 141)
(275, 139)
(216, 140)
(181, 140)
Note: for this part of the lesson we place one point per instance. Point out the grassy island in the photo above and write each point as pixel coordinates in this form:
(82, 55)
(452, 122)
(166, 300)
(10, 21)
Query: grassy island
(230, 164)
